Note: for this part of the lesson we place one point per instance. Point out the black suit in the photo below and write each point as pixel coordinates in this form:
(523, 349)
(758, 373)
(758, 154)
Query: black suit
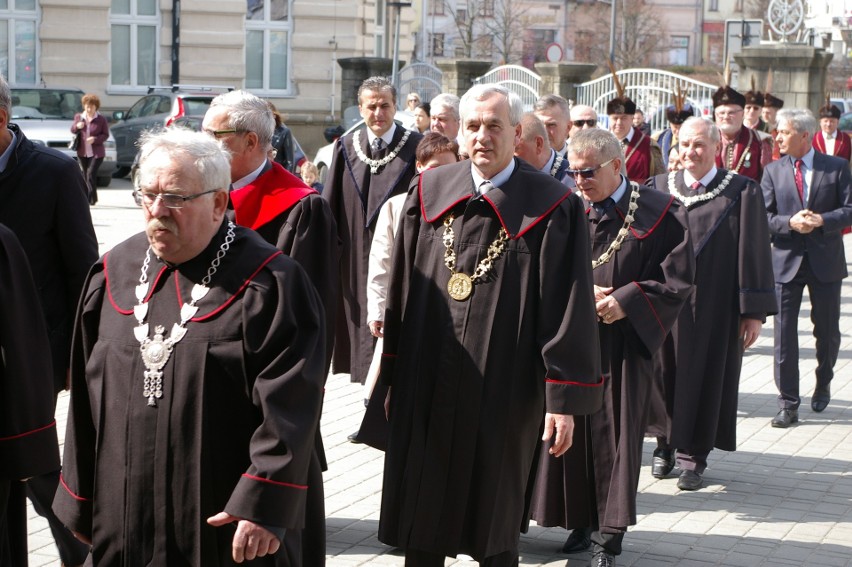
(816, 260)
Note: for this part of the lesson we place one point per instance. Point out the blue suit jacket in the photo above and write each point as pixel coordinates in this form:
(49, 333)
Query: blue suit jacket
(829, 195)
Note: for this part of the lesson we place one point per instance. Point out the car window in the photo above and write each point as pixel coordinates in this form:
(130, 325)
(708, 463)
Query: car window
(136, 110)
(45, 103)
(196, 106)
(164, 106)
(845, 122)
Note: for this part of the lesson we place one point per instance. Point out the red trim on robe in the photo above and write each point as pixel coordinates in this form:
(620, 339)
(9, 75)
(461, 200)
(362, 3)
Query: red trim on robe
(746, 140)
(285, 484)
(71, 492)
(236, 293)
(532, 224)
(32, 432)
(656, 224)
(842, 144)
(651, 305)
(109, 290)
(584, 384)
(423, 206)
(264, 199)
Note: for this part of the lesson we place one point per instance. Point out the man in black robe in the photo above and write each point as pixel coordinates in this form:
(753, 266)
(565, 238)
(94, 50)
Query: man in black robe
(643, 271)
(294, 218)
(489, 314)
(734, 292)
(28, 444)
(45, 203)
(369, 166)
(197, 373)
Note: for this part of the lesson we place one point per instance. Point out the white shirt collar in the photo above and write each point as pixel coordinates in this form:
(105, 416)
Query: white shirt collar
(549, 164)
(498, 180)
(629, 136)
(688, 179)
(564, 151)
(240, 183)
(387, 137)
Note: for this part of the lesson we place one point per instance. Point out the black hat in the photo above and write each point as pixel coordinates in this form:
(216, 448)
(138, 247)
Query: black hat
(754, 98)
(676, 116)
(829, 111)
(727, 95)
(770, 101)
(621, 105)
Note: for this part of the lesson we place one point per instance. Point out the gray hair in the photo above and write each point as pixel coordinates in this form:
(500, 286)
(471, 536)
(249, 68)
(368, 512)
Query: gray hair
(5, 95)
(549, 101)
(247, 113)
(532, 127)
(206, 154)
(445, 101)
(696, 122)
(800, 119)
(377, 84)
(602, 142)
(483, 92)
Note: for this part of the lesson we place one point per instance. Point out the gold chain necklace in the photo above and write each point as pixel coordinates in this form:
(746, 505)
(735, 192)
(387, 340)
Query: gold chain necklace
(460, 284)
(623, 231)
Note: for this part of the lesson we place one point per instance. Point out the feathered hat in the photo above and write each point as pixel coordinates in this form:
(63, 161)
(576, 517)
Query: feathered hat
(621, 104)
(726, 94)
(678, 112)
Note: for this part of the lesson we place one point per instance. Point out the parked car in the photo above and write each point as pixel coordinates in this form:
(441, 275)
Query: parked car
(45, 116)
(161, 107)
(844, 104)
(325, 153)
(845, 123)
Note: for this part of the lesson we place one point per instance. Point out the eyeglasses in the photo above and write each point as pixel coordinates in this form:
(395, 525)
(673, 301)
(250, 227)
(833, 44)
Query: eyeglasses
(591, 122)
(727, 113)
(219, 133)
(589, 172)
(169, 200)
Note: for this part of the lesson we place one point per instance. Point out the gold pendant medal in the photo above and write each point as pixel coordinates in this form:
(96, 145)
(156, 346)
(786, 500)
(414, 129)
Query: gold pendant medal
(459, 286)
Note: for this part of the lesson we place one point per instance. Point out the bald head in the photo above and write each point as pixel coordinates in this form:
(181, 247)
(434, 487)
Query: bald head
(585, 113)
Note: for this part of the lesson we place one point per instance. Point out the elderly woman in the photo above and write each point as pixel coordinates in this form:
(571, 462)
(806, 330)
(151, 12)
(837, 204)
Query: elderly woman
(91, 131)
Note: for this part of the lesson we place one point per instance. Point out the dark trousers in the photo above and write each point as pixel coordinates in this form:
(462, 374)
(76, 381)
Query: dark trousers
(41, 490)
(416, 558)
(90, 166)
(608, 539)
(825, 315)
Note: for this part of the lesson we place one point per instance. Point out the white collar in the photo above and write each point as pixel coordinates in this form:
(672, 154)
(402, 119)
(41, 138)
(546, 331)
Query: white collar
(549, 164)
(498, 180)
(564, 151)
(629, 136)
(240, 183)
(387, 137)
(688, 179)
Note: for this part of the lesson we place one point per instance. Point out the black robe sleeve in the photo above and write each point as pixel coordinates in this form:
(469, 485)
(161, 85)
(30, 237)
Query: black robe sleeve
(28, 442)
(755, 278)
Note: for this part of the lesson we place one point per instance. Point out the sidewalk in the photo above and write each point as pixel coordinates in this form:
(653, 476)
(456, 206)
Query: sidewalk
(784, 498)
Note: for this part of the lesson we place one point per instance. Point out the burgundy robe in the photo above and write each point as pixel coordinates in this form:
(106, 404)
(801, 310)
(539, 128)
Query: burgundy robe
(472, 379)
(746, 155)
(733, 280)
(356, 196)
(643, 157)
(652, 276)
(842, 144)
(235, 427)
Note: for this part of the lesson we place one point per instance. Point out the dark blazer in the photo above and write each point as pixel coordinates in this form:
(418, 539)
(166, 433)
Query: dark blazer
(829, 195)
(99, 128)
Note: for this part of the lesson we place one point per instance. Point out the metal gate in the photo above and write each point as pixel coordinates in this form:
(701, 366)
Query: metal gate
(651, 90)
(420, 78)
(517, 79)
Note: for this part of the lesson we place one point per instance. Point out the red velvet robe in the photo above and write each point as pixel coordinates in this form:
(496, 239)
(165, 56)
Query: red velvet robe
(747, 143)
(842, 145)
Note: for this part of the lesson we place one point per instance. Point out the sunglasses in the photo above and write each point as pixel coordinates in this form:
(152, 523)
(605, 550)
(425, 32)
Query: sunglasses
(589, 172)
(591, 122)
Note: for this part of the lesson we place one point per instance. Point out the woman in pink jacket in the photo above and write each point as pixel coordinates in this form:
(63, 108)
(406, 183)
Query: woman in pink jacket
(92, 131)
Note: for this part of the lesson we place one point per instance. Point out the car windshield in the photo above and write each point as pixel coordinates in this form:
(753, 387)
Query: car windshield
(45, 104)
(196, 106)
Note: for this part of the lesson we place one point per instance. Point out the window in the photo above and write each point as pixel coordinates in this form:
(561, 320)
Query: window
(437, 43)
(679, 54)
(486, 8)
(714, 5)
(436, 7)
(133, 43)
(18, 41)
(268, 31)
(380, 49)
(461, 15)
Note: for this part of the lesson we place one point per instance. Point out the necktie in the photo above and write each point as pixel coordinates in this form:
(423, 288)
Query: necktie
(485, 187)
(800, 185)
(624, 141)
(696, 185)
(377, 146)
(603, 206)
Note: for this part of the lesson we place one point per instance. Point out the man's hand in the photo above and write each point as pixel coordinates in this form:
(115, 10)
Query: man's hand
(564, 426)
(601, 292)
(609, 310)
(749, 331)
(80, 537)
(250, 541)
(800, 223)
(813, 219)
(377, 328)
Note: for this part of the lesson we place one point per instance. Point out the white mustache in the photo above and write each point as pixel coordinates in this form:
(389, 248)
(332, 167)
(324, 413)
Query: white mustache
(162, 224)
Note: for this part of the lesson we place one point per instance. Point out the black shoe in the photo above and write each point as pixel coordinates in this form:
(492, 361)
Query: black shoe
(354, 438)
(663, 463)
(822, 395)
(690, 480)
(578, 540)
(785, 418)
(602, 559)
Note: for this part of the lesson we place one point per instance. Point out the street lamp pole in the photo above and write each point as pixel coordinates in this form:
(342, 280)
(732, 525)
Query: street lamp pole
(395, 73)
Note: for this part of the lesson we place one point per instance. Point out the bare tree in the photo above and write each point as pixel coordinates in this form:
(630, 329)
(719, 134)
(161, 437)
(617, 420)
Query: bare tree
(506, 27)
(641, 36)
(492, 29)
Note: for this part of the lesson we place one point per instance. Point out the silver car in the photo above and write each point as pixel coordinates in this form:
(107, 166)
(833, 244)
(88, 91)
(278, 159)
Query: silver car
(45, 116)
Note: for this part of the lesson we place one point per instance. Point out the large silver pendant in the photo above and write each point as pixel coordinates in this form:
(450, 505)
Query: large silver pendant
(155, 354)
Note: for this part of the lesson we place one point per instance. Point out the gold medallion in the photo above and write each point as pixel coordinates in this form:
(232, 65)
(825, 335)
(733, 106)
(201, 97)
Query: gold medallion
(459, 286)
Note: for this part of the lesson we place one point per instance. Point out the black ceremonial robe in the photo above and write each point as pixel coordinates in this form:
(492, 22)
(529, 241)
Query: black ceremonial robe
(733, 279)
(356, 196)
(28, 443)
(295, 219)
(235, 427)
(471, 379)
(652, 275)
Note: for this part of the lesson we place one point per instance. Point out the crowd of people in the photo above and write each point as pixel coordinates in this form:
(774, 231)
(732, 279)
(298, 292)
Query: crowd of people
(522, 296)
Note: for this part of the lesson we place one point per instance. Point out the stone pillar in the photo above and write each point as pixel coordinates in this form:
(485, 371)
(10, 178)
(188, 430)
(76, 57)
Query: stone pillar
(562, 78)
(356, 70)
(458, 74)
(798, 72)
